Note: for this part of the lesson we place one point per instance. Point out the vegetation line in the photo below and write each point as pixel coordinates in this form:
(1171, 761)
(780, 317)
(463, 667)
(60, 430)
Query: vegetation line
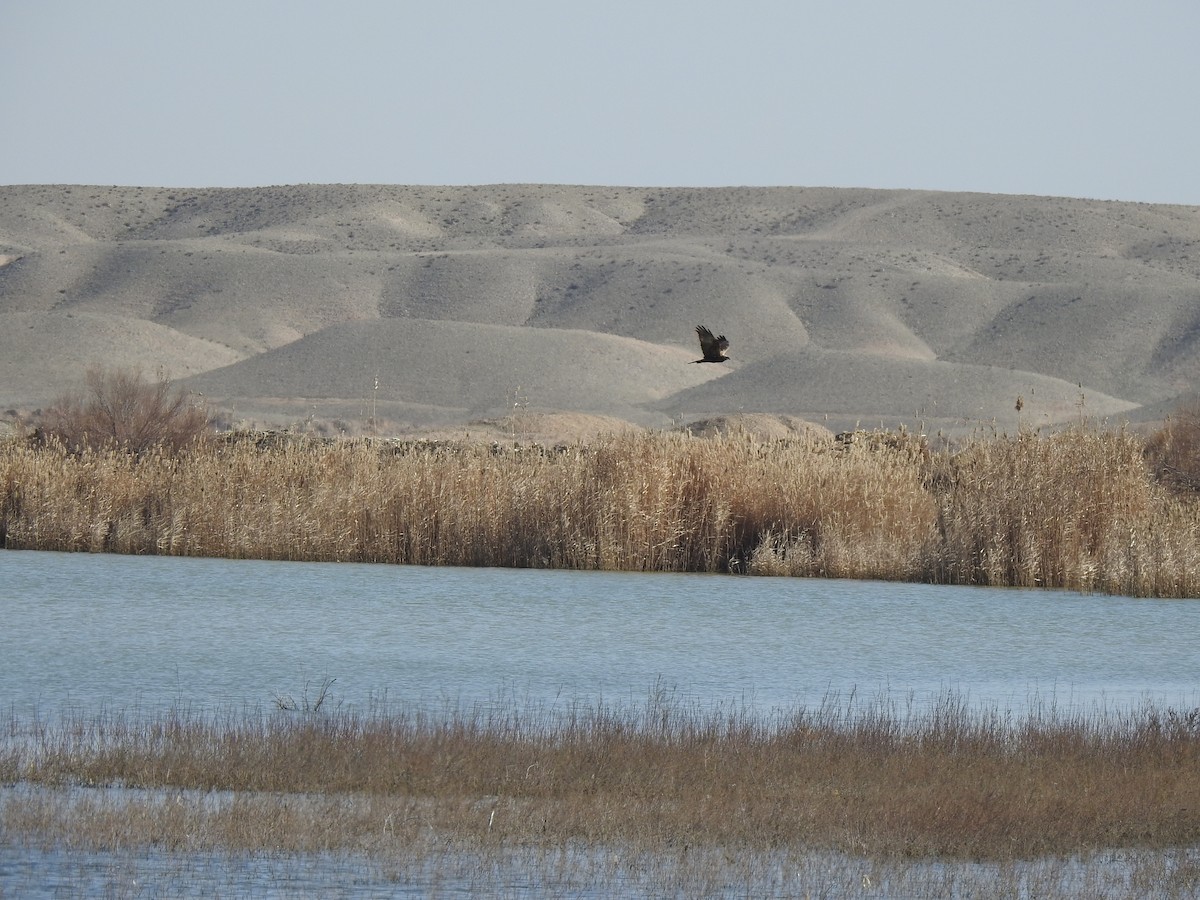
(131, 466)
(941, 781)
(1087, 509)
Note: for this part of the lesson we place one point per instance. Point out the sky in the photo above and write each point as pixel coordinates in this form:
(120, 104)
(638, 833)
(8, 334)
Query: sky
(1076, 98)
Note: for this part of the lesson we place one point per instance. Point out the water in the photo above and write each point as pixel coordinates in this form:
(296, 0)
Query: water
(591, 874)
(144, 633)
(94, 632)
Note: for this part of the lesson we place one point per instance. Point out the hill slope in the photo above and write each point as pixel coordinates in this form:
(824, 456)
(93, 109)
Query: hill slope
(439, 305)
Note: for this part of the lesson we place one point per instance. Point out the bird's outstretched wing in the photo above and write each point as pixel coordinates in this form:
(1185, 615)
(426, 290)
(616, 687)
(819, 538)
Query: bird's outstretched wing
(713, 347)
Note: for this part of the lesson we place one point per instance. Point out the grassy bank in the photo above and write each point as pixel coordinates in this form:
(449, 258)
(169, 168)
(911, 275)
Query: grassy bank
(1080, 510)
(944, 782)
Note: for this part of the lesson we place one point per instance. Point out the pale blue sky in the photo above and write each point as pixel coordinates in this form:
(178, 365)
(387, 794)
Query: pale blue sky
(1082, 98)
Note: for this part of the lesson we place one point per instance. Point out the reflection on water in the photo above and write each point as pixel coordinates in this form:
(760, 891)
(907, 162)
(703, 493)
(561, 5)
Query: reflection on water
(583, 872)
(62, 872)
(427, 864)
(143, 633)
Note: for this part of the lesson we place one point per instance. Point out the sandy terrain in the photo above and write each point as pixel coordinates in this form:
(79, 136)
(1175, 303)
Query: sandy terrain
(412, 308)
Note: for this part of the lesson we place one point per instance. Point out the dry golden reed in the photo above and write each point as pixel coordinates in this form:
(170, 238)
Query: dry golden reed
(872, 779)
(1078, 510)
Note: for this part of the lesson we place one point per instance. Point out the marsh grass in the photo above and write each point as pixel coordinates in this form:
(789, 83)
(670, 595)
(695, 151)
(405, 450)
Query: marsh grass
(872, 779)
(1079, 510)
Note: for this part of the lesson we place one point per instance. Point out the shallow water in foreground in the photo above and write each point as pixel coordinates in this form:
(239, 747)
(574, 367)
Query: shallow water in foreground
(84, 634)
(585, 873)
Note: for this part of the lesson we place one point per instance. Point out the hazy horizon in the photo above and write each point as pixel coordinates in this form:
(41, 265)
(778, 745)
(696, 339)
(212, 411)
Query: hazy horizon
(1079, 100)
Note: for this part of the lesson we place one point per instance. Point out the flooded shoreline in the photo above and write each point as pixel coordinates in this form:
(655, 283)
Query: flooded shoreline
(436, 867)
(286, 729)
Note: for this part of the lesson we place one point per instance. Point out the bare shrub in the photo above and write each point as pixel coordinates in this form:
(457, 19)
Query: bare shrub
(1173, 451)
(121, 409)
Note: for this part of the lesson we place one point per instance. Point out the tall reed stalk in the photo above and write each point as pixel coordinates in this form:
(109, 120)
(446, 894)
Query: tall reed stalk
(1078, 510)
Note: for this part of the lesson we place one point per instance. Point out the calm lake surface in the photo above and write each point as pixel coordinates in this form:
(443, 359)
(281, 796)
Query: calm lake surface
(138, 635)
(91, 632)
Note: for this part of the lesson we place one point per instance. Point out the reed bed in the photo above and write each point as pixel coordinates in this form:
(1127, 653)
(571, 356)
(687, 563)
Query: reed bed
(945, 781)
(1079, 510)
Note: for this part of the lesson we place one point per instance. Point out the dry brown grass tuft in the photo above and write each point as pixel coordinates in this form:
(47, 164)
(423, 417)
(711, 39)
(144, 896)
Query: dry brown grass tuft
(944, 782)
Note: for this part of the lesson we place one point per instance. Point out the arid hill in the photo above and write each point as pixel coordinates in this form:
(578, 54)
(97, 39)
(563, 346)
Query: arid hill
(437, 307)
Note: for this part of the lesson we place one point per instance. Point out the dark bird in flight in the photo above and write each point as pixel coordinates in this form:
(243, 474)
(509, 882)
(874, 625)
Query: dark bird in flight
(713, 348)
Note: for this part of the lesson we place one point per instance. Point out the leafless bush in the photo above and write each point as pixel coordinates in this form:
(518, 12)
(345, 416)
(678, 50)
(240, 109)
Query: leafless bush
(287, 703)
(122, 409)
(1173, 452)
